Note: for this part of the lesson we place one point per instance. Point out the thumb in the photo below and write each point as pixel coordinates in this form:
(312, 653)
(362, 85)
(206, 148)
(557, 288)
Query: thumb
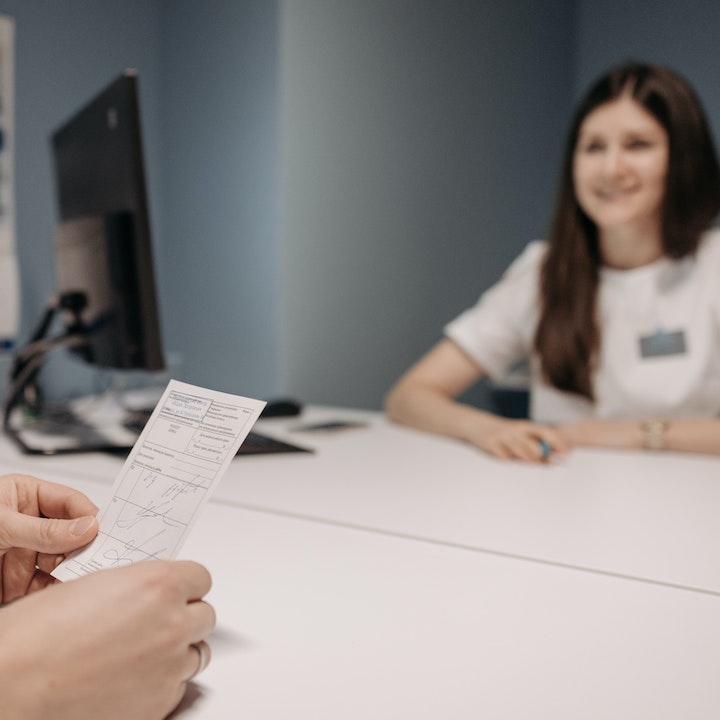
(47, 535)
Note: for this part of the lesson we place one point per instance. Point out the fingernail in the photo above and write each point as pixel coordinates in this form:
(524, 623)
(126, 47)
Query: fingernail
(82, 525)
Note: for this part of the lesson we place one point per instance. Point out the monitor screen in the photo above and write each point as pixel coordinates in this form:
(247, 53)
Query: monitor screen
(103, 249)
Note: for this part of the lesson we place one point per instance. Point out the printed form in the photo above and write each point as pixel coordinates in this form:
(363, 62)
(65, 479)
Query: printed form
(180, 456)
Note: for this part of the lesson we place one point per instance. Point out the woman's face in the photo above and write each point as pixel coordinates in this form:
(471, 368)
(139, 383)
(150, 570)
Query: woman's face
(619, 168)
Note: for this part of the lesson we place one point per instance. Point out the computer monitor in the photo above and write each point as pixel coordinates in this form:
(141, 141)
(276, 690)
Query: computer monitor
(103, 252)
(103, 256)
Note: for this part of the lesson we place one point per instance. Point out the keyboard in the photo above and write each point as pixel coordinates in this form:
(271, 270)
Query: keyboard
(61, 430)
(254, 444)
(258, 444)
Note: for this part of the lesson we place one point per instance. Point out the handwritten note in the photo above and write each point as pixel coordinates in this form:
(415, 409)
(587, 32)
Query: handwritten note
(180, 456)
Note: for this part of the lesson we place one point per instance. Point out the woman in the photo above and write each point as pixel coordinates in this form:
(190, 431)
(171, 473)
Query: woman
(619, 312)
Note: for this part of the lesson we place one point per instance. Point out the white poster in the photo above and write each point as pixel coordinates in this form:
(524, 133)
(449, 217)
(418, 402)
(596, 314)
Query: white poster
(9, 276)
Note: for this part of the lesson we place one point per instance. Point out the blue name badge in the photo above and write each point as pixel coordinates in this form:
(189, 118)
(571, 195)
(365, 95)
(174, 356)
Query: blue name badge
(663, 344)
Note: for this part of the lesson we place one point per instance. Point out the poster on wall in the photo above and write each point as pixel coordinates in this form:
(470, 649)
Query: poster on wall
(9, 276)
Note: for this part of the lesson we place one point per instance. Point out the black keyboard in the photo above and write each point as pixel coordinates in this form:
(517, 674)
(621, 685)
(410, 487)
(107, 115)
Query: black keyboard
(258, 444)
(255, 443)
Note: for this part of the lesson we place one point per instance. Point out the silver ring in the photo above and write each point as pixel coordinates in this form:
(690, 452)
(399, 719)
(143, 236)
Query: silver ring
(203, 650)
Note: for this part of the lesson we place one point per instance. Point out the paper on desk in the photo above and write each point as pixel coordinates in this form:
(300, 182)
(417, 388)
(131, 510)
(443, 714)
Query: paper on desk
(181, 454)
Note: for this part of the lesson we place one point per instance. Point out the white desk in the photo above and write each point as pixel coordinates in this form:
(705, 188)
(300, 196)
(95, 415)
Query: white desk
(348, 595)
(320, 622)
(640, 514)
(636, 514)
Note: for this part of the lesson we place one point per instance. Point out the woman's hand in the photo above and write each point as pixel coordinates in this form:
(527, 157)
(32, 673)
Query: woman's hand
(519, 440)
(114, 644)
(39, 523)
(424, 398)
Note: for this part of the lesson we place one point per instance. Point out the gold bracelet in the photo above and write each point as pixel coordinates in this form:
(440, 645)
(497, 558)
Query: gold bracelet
(654, 430)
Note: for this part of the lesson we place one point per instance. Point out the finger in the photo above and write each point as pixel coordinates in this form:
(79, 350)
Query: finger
(198, 658)
(200, 620)
(513, 449)
(533, 450)
(59, 501)
(47, 535)
(47, 562)
(542, 443)
(526, 448)
(40, 581)
(18, 569)
(35, 497)
(194, 578)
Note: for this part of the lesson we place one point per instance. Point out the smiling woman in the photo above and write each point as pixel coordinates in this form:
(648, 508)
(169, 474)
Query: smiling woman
(618, 313)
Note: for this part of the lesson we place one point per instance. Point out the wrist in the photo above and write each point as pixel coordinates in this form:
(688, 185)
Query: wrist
(655, 433)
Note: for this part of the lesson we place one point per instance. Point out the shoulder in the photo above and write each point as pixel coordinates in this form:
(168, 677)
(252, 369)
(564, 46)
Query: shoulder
(497, 331)
(528, 262)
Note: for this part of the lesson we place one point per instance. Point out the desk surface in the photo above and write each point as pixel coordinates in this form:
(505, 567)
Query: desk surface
(637, 514)
(323, 622)
(328, 622)
(640, 514)
(397, 575)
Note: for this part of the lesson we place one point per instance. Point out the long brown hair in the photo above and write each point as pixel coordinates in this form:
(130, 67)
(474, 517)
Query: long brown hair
(568, 339)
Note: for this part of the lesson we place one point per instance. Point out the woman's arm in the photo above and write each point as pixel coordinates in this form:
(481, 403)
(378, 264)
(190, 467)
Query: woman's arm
(424, 398)
(682, 434)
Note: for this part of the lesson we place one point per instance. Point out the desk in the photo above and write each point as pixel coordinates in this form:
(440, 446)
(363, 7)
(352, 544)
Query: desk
(356, 582)
(637, 514)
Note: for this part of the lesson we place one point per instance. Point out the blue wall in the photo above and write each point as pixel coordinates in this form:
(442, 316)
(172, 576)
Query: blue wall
(208, 97)
(64, 53)
(421, 143)
(221, 203)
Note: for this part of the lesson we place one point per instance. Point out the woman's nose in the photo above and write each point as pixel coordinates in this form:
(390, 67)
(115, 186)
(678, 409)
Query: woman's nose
(614, 161)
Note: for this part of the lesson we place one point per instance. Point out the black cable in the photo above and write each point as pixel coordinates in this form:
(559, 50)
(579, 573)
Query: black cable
(32, 358)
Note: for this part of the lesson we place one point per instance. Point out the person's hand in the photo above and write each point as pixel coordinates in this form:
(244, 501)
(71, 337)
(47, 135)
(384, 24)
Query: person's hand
(521, 440)
(113, 644)
(39, 523)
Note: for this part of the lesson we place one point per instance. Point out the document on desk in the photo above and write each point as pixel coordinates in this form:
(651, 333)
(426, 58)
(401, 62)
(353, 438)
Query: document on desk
(180, 456)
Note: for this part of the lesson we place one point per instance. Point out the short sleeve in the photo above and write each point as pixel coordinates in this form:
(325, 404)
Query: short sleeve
(709, 261)
(497, 332)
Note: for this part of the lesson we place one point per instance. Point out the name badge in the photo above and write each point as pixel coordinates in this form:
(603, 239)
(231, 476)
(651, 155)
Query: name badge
(663, 344)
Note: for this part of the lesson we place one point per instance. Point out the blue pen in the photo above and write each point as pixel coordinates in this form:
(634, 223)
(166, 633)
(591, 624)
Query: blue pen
(546, 449)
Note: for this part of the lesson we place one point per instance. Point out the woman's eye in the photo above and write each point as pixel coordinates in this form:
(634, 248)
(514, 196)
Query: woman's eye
(592, 147)
(638, 144)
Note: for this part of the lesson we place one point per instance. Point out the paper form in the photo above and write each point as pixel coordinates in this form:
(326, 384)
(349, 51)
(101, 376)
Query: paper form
(180, 456)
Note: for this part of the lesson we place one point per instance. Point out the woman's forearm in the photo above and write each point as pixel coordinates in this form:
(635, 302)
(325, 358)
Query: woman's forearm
(428, 410)
(701, 435)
